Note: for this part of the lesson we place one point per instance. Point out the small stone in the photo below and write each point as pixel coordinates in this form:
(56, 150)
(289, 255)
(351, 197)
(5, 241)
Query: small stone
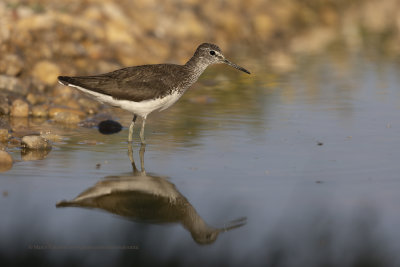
(109, 127)
(4, 135)
(34, 99)
(12, 84)
(11, 65)
(35, 142)
(19, 108)
(67, 118)
(53, 111)
(46, 71)
(6, 161)
(40, 111)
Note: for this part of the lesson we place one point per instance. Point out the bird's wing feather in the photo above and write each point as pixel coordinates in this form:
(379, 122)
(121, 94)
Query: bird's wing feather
(134, 83)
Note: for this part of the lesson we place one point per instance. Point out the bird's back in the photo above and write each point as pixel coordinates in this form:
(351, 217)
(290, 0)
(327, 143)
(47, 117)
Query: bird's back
(138, 83)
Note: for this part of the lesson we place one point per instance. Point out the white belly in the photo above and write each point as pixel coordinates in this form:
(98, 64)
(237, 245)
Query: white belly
(142, 108)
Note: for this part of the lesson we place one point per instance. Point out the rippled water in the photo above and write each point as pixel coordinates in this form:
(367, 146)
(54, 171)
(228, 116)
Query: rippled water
(298, 169)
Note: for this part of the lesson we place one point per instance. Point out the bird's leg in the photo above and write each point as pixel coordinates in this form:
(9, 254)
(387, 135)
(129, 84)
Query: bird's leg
(142, 131)
(130, 154)
(141, 154)
(130, 134)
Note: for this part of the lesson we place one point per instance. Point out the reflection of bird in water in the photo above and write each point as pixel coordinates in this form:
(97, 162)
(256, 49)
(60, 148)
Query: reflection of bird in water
(148, 198)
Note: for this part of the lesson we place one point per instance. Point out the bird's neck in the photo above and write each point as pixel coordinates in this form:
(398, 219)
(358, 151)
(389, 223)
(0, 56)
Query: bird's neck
(196, 65)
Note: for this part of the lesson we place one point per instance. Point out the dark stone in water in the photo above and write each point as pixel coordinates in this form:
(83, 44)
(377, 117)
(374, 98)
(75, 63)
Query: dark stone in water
(109, 127)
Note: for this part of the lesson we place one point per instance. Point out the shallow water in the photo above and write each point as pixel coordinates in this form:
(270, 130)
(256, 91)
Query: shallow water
(303, 167)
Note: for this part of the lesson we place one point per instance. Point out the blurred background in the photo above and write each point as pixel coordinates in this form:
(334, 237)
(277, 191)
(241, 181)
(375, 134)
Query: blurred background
(305, 148)
(42, 39)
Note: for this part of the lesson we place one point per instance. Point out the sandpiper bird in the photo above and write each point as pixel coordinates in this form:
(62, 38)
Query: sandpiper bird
(143, 89)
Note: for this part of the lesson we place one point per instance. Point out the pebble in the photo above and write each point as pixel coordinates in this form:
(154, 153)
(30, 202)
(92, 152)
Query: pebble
(12, 84)
(4, 135)
(35, 98)
(19, 108)
(11, 65)
(40, 110)
(53, 111)
(67, 118)
(35, 142)
(109, 127)
(6, 161)
(46, 71)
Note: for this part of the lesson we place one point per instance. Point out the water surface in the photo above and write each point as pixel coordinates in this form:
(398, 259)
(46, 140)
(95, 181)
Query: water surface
(297, 169)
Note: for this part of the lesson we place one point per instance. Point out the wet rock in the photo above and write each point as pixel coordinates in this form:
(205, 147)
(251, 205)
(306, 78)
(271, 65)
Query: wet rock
(4, 135)
(11, 65)
(12, 84)
(35, 142)
(30, 154)
(19, 108)
(109, 127)
(6, 161)
(67, 118)
(40, 111)
(46, 71)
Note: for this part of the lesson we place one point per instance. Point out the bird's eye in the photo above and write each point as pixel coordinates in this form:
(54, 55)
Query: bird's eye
(212, 53)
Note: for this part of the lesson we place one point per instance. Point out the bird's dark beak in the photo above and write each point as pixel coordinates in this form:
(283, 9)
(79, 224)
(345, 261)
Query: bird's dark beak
(235, 66)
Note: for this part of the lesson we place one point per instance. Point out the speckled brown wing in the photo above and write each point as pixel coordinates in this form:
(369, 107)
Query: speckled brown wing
(137, 83)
